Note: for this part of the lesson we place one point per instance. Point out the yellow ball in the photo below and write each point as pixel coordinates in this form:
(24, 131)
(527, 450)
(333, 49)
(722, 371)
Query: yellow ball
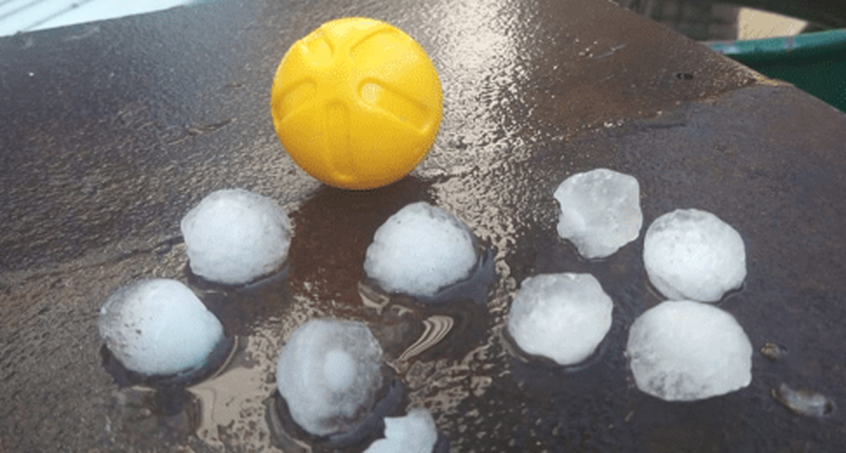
(357, 103)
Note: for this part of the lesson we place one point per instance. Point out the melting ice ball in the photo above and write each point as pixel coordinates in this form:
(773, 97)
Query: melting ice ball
(158, 328)
(420, 250)
(329, 373)
(235, 236)
(692, 254)
(414, 433)
(560, 316)
(686, 351)
(600, 211)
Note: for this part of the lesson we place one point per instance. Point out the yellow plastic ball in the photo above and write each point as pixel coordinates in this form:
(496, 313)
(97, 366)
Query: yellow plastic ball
(357, 103)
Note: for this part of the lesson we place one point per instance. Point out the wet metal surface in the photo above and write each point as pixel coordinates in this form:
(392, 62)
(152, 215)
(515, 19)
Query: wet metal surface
(111, 132)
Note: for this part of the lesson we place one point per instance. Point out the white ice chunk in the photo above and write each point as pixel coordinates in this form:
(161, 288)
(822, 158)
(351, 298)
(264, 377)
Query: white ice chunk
(235, 236)
(414, 433)
(329, 373)
(158, 327)
(686, 351)
(600, 211)
(339, 370)
(692, 254)
(560, 316)
(420, 250)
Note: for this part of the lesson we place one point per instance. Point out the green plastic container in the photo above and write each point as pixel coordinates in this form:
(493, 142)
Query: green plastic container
(814, 62)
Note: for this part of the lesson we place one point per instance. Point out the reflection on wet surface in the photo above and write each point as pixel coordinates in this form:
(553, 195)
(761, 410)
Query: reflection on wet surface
(533, 93)
(435, 329)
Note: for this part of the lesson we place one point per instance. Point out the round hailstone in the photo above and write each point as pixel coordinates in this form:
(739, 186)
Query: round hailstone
(329, 373)
(692, 254)
(600, 211)
(560, 316)
(159, 328)
(420, 250)
(414, 433)
(686, 351)
(235, 236)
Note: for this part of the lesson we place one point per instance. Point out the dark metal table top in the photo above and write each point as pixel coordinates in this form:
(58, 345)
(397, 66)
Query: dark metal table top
(110, 132)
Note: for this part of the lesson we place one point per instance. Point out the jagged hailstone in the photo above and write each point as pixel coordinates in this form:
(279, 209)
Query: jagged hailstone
(692, 254)
(560, 316)
(235, 236)
(414, 433)
(159, 327)
(686, 351)
(420, 250)
(600, 211)
(329, 373)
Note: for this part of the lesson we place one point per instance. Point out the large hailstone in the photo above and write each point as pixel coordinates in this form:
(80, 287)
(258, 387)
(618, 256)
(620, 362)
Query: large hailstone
(560, 316)
(159, 328)
(692, 254)
(600, 211)
(420, 250)
(686, 351)
(235, 236)
(414, 433)
(329, 373)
